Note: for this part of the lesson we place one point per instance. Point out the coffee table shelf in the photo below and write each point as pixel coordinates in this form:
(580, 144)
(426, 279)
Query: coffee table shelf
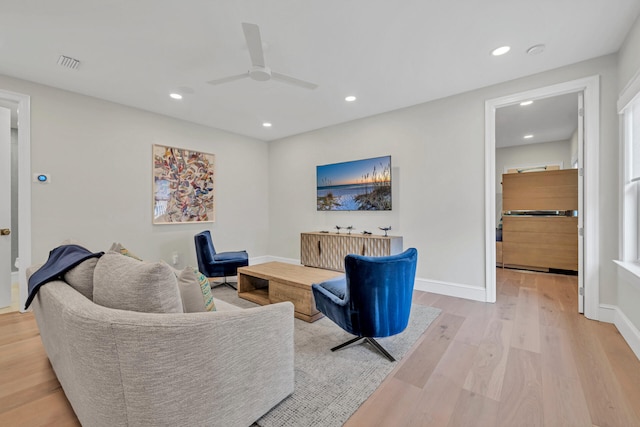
(274, 282)
(259, 296)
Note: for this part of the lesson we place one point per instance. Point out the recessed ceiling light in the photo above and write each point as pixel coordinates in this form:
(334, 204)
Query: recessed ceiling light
(350, 98)
(528, 136)
(266, 124)
(525, 103)
(175, 95)
(500, 50)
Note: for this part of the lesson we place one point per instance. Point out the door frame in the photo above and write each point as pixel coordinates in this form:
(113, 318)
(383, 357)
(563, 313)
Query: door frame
(24, 186)
(590, 87)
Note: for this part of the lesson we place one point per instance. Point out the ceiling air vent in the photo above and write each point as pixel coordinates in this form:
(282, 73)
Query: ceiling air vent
(68, 62)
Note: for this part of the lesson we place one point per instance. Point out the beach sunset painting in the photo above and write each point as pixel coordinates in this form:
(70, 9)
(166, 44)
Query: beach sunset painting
(355, 186)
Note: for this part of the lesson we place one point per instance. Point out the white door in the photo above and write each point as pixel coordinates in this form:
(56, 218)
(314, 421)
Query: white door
(5, 207)
(580, 202)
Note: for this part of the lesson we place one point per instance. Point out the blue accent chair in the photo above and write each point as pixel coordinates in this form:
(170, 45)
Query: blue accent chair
(213, 264)
(373, 298)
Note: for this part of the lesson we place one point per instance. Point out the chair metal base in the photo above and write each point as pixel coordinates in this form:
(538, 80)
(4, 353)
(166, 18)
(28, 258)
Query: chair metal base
(227, 283)
(375, 344)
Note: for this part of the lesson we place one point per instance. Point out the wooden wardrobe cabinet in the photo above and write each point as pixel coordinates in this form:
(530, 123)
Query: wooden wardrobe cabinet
(540, 242)
(327, 250)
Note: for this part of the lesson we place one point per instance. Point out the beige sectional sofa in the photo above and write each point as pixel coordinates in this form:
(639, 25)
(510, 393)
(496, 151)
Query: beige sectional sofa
(127, 368)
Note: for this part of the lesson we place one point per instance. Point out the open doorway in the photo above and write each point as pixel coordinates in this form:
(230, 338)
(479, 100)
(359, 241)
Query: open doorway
(9, 290)
(21, 108)
(538, 147)
(587, 159)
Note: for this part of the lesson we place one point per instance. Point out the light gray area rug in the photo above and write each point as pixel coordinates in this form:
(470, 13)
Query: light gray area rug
(330, 386)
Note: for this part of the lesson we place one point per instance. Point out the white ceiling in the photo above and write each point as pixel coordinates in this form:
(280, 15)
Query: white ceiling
(389, 54)
(548, 119)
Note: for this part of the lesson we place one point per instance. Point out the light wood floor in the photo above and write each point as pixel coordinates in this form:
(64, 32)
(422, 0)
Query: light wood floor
(528, 360)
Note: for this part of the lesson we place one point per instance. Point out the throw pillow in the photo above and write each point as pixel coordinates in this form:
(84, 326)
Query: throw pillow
(125, 283)
(195, 291)
(80, 277)
(72, 241)
(117, 247)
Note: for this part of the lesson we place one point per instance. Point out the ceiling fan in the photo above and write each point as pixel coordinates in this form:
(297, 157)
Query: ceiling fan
(259, 71)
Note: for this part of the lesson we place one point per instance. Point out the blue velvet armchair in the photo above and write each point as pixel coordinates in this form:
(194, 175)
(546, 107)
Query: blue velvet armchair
(373, 298)
(222, 264)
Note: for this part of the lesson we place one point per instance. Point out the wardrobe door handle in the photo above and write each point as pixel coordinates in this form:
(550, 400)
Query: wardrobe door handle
(319, 248)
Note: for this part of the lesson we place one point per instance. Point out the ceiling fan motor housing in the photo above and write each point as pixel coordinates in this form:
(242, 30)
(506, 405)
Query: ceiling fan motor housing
(260, 74)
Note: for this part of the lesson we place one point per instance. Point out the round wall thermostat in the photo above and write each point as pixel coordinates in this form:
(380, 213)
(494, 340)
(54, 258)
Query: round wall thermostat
(42, 178)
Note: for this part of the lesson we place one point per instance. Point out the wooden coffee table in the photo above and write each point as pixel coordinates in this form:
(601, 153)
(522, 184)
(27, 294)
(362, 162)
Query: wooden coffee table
(273, 282)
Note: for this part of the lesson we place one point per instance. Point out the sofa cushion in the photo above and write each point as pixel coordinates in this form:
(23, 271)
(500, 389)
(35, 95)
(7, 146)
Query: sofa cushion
(222, 306)
(80, 277)
(125, 283)
(195, 291)
(117, 247)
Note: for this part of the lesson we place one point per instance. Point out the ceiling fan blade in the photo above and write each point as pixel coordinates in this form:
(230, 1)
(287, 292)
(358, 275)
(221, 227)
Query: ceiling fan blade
(254, 43)
(228, 79)
(293, 80)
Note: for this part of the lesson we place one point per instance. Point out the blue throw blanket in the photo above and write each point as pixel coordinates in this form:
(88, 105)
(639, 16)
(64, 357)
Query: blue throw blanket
(61, 259)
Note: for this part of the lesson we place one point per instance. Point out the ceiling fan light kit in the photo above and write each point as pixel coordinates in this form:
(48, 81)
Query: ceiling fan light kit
(259, 71)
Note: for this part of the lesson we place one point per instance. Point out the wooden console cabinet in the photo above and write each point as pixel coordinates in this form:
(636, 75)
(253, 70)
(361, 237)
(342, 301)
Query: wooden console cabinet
(327, 250)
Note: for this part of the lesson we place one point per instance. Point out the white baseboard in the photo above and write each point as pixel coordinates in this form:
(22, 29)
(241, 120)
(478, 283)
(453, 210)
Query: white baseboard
(631, 334)
(269, 258)
(473, 293)
(607, 313)
(259, 259)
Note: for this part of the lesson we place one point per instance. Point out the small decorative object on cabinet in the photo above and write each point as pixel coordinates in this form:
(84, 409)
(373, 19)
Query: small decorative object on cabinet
(385, 229)
(327, 251)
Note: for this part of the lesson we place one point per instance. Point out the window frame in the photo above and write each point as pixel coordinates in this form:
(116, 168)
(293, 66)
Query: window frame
(630, 186)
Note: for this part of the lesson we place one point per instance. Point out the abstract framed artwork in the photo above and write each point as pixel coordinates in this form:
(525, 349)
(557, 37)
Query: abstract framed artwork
(183, 185)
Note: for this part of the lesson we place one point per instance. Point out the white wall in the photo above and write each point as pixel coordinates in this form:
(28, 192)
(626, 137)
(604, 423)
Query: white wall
(629, 56)
(543, 153)
(437, 152)
(99, 156)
